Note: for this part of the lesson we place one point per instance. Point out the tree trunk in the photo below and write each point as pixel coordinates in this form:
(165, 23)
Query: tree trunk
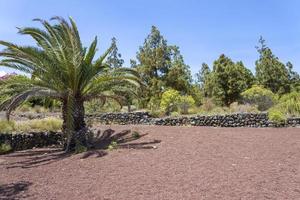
(76, 136)
(129, 107)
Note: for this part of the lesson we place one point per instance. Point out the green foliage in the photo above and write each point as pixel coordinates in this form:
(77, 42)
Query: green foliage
(270, 72)
(290, 103)
(197, 94)
(5, 148)
(154, 104)
(113, 145)
(135, 135)
(97, 106)
(170, 100)
(294, 78)
(228, 80)
(186, 102)
(262, 97)
(202, 78)
(114, 59)
(179, 75)
(79, 148)
(160, 66)
(36, 125)
(276, 115)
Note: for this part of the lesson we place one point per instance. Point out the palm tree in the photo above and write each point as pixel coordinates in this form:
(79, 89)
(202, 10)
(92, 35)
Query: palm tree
(61, 68)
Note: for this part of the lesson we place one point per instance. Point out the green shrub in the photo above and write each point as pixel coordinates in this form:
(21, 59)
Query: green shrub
(154, 104)
(80, 148)
(290, 103)
(262, 97)
(135, 135)
(113, 145)
(170, 101)
(276, 115)
(5, 148)
(186, 102)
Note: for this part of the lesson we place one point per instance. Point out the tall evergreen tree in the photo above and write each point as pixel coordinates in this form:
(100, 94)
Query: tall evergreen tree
(114, 59)
(179, 75)
(160, 66)
(270, 72)
(228, 80)
(202, 77)
(294, 78)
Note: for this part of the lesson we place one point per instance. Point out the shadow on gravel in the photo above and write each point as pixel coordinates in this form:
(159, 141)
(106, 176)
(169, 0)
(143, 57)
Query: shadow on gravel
(101, 142)
(36, 158)
(14, 191)
(124, 139)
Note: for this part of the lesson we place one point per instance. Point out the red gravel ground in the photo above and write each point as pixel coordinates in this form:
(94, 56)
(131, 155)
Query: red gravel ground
(188, 163)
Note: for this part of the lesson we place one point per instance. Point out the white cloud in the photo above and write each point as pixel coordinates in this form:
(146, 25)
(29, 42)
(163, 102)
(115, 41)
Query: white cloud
(2, 73)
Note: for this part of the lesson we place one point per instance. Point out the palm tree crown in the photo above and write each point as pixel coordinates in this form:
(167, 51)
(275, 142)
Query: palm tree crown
(61, 68)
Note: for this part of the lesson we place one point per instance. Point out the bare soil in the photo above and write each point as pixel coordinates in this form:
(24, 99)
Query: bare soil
(167, 163)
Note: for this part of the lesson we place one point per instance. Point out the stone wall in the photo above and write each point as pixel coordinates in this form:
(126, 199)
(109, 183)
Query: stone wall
(23, 141)
(122, 118)
(41, 139)
(229, 120)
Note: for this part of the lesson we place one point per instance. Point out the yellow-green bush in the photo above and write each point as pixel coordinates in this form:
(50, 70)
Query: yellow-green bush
(276, 115)
(170, 100)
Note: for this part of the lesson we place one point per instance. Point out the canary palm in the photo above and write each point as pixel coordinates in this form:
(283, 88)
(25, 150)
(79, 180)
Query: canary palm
(61, 68)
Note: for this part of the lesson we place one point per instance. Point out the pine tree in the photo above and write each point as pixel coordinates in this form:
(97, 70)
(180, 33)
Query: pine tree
(270, 72)
(114, 59)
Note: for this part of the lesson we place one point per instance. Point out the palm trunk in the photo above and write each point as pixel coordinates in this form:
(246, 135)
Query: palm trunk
(77, 134)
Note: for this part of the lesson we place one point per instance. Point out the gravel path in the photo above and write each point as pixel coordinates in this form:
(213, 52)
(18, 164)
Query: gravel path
(189, 163)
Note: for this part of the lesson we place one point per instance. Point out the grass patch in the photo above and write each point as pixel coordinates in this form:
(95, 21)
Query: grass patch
(46, 124)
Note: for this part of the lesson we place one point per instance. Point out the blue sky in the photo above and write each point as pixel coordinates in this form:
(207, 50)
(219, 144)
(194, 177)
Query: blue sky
(203, 29)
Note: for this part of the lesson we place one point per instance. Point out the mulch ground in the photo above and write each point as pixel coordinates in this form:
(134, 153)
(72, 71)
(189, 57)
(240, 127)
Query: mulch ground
(170, 163)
